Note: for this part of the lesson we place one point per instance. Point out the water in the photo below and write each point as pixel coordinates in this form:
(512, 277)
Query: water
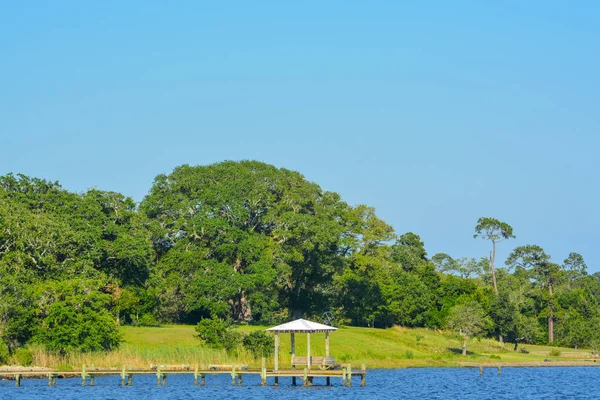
(422, 384)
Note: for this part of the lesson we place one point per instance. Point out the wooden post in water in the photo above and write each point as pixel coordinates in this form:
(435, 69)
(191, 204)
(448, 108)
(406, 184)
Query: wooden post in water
(233, 375)
(344, 376)
(263, 372)
(349, 375)
(18, 380)
(203, 380)
(276, 383)
(481, 370)
(123, 376)
(239, 379)
(196, 375)
(164, 377)
(498, 370)
(83, 375)
(305, 380)
(328, 381)
(363, 378)
(158, 376)
(92, 377)
(130, 379)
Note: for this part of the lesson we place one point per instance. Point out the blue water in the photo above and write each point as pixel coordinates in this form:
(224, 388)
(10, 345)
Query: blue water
(422, 384)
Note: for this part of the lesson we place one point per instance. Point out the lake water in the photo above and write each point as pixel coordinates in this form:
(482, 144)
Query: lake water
(421, 383)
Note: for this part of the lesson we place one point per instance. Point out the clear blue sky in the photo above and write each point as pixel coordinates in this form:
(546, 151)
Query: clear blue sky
(435, 113)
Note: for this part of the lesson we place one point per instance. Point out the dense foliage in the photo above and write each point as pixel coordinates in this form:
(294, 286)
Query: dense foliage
(248, 242)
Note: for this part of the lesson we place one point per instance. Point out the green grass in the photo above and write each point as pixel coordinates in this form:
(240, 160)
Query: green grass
(377, 348)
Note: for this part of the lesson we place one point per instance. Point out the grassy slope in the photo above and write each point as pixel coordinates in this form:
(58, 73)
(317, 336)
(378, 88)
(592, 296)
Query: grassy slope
(377, 348)
(388, 348)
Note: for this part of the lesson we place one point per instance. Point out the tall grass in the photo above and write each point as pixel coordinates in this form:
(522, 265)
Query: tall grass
(386, 348)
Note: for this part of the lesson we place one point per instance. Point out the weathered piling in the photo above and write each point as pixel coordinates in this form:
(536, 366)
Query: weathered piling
(263, 372)
(481, 370)
(363, 377)
(18, 380)
(499, 372)
(349, 375)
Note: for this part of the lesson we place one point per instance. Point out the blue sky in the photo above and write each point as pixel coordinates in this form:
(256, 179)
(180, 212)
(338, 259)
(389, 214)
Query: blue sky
(435, 113)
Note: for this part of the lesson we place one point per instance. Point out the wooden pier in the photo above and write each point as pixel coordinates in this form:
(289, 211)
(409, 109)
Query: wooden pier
(200, 374)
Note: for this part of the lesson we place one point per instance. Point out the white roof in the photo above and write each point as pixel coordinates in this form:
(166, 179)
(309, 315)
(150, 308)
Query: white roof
(302, 326)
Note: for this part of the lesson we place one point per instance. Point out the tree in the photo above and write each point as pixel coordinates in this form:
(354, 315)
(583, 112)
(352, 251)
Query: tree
(533, 259)
(469, 320)
(495, 231)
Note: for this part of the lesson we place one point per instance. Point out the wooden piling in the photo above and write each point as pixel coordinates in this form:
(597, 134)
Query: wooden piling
(240, 379)
(164, 376)
(305, 380)
(293, 381)
(328, 381)
(343, 376)
(481, 370)
(263, 372)
(130, 380)
(349, 375)
(18, 380)
(196, 375)
(363, 377)
(158, 376)
(123, 377)
(83, 376)
(276, 383)
(92, 380)
(499, 372)
(233, 375)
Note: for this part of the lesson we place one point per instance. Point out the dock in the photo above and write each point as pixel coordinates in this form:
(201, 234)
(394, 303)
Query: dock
(198, 374)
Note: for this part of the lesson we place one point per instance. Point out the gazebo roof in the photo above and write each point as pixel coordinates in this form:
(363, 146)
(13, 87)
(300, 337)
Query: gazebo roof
(301, 326)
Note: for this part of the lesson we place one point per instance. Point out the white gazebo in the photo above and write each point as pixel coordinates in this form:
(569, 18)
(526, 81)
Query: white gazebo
(300, 326)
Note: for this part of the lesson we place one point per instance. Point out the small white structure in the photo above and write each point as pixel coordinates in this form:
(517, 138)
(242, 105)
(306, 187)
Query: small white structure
(300, 326)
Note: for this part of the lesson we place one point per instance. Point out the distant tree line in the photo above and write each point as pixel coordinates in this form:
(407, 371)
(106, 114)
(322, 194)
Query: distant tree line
(248, 242)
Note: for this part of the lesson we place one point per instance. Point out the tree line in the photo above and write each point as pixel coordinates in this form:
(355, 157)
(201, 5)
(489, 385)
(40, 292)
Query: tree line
(249, 242)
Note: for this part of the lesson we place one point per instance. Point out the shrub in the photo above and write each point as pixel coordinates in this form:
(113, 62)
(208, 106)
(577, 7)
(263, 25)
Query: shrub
(555, 353)
(23, 357)
(259, 344)
(218, 333)
(409, 354)
(4, 353)
(523, 350)
(495, 357)
(148, 320)
(419, 337)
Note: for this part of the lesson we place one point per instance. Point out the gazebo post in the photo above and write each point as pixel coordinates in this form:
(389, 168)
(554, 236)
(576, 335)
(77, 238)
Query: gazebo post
(276, 363)
(326, 343)
(293, 342)
(308, 349)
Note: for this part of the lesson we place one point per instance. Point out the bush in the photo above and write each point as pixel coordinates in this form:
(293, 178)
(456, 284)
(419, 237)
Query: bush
(495, 357)
(23, 357)
(148, 320)
(4, 353)
(554, 353)
(259, 344)
(218, 333)
(409, 354)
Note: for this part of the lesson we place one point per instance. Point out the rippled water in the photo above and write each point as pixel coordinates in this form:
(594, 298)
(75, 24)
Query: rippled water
(422, 384)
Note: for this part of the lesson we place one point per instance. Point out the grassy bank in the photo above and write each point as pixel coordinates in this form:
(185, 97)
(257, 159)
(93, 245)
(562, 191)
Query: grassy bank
(378, 348)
